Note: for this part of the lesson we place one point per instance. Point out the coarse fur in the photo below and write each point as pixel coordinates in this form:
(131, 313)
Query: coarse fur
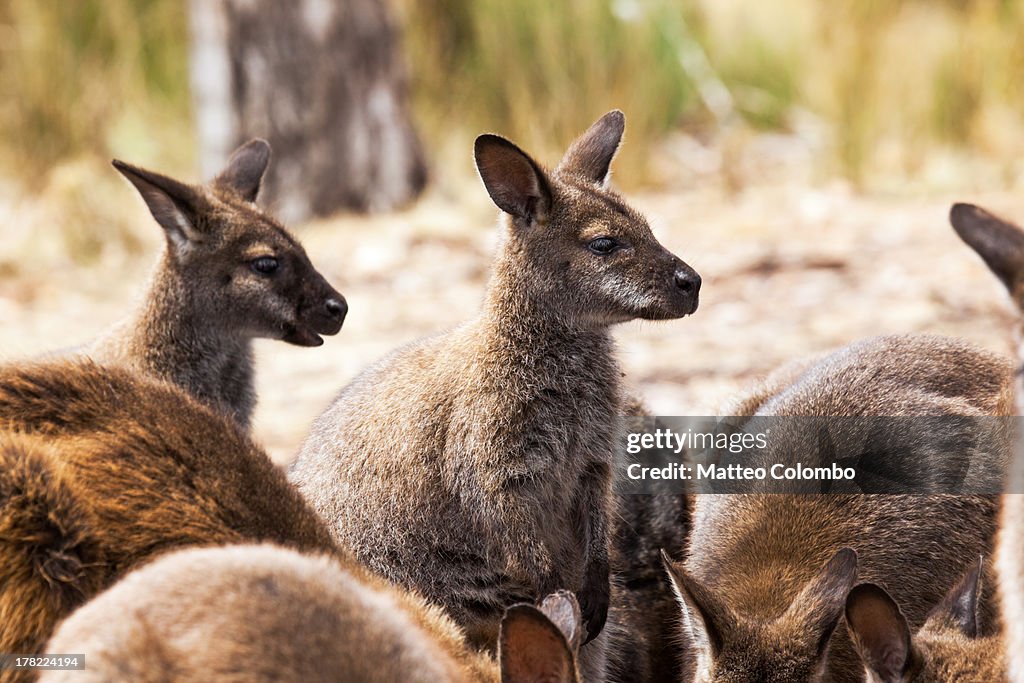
(474, 466)
(760, 596)
(641, 642)
(208, 297)
(260, 613)
(948, 648)
(1000, 244)
(102, 470)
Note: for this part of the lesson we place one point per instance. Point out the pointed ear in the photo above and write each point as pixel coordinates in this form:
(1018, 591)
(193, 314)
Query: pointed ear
(532, 648)
(960, 608)
(564, 612)
(245, 169)
(819, 605)
(705, 619)
(590, 156)
(515, 182)
(174, 205)
(999, 243)
(879, 632)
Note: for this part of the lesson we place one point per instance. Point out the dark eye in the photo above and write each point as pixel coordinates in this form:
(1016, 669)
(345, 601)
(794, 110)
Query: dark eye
(602, 245)
(265, 265)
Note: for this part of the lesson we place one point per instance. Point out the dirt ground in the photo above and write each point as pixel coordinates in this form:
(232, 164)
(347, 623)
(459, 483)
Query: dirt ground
(788, 271)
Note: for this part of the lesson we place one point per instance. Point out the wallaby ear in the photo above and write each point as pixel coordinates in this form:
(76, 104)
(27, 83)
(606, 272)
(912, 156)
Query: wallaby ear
(532, 648)
(705, 619)
(819, 605)
(563, 610)
(515, 182)
(591, 154)
(879, 632)
(999, 243)
(960, 608)
(245, 169)
(174, 205)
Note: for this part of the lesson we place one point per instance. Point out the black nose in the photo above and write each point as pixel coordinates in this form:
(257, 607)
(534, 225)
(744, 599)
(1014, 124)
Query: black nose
(336, 308)
(687, 280)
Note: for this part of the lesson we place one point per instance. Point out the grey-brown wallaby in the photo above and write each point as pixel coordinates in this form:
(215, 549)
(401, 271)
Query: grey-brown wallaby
(266, 614)
(1000, 244)
(101, 470)
(229, 273)
(949, 648)
(474, 466)
(759, 593)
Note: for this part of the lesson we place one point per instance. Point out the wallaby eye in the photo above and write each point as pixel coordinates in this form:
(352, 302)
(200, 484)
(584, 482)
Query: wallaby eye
(602, 245)
(265, 265)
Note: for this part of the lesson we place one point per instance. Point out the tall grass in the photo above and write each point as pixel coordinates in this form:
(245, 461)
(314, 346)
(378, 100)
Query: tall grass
(892, 81)
(93, 77)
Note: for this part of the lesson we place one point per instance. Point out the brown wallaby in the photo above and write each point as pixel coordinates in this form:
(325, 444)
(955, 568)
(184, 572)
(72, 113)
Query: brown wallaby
(1000, 244)
(262, 613)
(849, 382)
(101, 469)
(229, 273)
(949, 648)
(474, 466)
(756, 604)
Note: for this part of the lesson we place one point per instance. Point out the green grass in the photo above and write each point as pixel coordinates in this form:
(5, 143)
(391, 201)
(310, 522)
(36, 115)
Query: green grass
(93, 77)
(892, 80)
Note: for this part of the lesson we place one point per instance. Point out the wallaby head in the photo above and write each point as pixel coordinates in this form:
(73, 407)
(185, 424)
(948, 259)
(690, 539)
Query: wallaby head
(575, 248)
(241, 271)
(948, 647)
(730, 648)
(265, 613)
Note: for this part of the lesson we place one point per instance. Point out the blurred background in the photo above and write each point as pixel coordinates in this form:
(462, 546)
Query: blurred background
(801, 155)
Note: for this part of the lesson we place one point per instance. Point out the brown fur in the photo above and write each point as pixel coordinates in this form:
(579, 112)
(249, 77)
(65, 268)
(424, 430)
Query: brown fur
(1000, 243)
(753, 573)
(263, 613)
(641, 646)
(206, 301)
(474, 466)
(947, 649)
(104, 469)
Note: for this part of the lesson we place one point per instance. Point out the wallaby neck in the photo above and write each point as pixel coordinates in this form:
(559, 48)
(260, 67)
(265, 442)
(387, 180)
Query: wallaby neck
(522, 327)
(177, 338)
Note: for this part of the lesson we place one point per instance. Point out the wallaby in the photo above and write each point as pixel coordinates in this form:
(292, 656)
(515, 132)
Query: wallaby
(262, 613)
(229, 273)
(949, 377)
(474, 466)
(949, 648)
(756, 605)
(1001, 245)
(101, 469)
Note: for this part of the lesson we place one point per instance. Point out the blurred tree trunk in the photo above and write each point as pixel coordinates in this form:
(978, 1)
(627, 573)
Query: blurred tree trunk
(323, 81)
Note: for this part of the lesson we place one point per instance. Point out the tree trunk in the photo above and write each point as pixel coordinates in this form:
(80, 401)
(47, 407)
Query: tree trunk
(323, 81)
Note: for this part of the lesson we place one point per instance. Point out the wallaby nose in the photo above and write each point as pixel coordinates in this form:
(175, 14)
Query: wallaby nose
(687, 280)
(336, 308)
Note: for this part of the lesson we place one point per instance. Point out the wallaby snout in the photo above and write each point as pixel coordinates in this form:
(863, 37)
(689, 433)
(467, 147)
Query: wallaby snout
(687, 283)
(321, 311)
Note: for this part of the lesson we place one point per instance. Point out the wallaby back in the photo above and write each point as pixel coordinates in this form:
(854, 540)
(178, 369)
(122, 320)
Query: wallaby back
(103, 470)
(1000, 244)
(229, 273)
(497, 437)
(765, 576)
(949, 647)
(263, 613)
